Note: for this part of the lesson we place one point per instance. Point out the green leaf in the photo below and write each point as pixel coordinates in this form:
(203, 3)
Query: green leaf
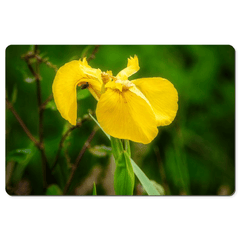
(31, 48)
(146, 183)
(86, 50)
(51, 105)
(66, 126)
(23, 157)
(124, 176)
(127, 147)
(54, 190)
(100, 151)
(117, 147)
(82, 93)
(94, 189)
(159, 187)
(98, 125)
(19, 155)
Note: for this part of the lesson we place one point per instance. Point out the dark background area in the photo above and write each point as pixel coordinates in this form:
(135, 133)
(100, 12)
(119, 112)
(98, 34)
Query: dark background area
(195, 155)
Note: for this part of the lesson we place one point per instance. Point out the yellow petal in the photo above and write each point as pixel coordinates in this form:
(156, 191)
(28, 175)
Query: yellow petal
(131, 68)
(106, 76)
(126, 115)
(163, 97)
(64, 86)
(89, 71)
(114, 85)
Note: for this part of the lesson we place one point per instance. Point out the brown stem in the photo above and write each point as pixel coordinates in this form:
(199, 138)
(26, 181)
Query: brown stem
(92, 56)
(40, 126)
(50, 97)
(32, 70)
(34, 54)
(33, 139)
(60, 146)
(78, 159)
(49, 64)
(37, 76)
(40, 111)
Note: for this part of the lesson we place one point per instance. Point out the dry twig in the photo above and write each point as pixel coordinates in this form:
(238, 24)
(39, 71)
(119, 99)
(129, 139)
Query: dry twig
(64, 136)
(36, 74)
(24, 127)
(92, 56)
(78, 159)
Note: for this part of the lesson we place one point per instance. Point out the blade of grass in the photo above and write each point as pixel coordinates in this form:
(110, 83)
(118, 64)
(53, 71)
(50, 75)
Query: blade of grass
(98, 125)
(146, 183)
(94, 189)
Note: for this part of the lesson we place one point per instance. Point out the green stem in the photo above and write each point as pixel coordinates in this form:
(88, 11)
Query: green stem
(127, 147)
(117, 147)
(124, 176)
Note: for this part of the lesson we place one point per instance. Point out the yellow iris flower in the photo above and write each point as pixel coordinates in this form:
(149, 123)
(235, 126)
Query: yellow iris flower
(126, 109)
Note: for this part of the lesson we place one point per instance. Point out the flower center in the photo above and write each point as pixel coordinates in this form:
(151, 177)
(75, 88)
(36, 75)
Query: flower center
(126, 84)
(106, 77)
(112, 82)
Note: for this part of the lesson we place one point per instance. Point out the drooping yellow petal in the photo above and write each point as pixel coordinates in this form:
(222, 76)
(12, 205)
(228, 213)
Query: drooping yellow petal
(125, 115)
(131, 68)
(89, 71)
(163, 97)
(64, 86)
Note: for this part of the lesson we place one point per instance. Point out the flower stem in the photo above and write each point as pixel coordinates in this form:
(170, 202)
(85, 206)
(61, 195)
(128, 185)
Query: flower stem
(117, 147)
(127, 147)
(124, 179)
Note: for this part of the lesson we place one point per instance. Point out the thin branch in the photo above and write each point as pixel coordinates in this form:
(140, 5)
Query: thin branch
(47, 173)
(50, 97)
(36, 74)
(40, 122)
(66, 134)
(37, 77)
(92, 56)
(40, 110)
(78, 159)
(44, 60)
(33, 139)
(33, 54)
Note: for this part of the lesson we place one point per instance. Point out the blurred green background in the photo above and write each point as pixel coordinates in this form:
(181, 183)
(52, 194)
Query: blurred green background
(195, 155)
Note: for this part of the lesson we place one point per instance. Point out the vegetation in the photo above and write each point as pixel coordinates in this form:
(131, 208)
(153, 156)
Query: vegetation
(195, 155)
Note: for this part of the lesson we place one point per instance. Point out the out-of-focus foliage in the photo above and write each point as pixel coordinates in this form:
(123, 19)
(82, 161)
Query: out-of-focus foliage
(194, 155)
